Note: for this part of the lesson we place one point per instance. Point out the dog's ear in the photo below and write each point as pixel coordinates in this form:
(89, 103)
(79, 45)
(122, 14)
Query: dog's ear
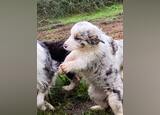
(93, 39)
(47, 43)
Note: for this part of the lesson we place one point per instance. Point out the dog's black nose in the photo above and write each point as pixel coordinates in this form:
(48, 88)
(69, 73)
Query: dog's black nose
(64, 45)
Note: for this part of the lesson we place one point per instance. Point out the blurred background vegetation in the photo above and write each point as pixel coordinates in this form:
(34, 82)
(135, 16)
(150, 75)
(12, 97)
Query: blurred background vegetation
(53, 9)
(61, 8)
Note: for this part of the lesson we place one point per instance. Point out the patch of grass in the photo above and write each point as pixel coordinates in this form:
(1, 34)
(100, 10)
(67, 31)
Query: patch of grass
(89, 112)
(106, 12)
(66, 103)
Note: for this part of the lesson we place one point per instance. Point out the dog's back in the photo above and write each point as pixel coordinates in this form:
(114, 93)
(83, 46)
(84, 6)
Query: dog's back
(45, 71)
(56, 50)
(119, 54)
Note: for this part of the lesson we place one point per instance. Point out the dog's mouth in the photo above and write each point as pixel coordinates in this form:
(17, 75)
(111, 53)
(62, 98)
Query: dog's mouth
(102, 41)
(66, 47)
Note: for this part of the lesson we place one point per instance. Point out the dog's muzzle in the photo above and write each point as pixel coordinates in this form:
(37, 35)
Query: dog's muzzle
(65, 46)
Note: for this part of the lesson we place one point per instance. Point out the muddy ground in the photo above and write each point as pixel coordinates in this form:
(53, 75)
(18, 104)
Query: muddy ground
(113, 28)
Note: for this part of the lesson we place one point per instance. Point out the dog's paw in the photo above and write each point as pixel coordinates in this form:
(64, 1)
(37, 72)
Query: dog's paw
(43, 108)
(96, 108)
(68, 87)
(118, 113)
(65, 67)
(49, 106)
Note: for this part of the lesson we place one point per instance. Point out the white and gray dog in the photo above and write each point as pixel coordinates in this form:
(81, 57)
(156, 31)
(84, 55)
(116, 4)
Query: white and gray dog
(50, 54)
(45, 74)
(98, 58)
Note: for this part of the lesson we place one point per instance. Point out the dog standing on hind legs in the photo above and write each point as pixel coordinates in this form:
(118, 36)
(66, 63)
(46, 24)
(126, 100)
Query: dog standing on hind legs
(97, 58)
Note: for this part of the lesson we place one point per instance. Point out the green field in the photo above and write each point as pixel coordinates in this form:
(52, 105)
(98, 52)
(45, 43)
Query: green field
(106, 12)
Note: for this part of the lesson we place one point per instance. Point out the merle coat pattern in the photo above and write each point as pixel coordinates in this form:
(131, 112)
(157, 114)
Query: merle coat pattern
(50, 55)
(45, 75)
(98, 58)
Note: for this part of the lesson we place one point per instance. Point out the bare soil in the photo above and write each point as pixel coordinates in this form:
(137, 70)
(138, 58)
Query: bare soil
(113, 28)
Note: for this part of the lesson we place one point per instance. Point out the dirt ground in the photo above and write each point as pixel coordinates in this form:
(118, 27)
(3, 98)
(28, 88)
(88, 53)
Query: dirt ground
(113, 28)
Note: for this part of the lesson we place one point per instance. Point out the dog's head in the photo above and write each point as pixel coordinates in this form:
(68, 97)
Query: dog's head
(83, 35)
(56, 50)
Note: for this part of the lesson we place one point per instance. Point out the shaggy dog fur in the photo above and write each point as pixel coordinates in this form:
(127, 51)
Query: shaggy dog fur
(98, 58)
(50, 55)
(45, 75)
(58, 53)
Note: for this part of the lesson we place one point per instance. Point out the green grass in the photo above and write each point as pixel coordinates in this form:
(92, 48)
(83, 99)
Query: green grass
(106, 12)
(64, 101)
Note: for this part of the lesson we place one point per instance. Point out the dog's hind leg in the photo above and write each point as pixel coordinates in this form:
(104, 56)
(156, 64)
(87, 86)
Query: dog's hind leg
(115, 104)
(75, 80)
(40, 101)
(49, 106)
(99, 97)
(42, 104)
(69, 87)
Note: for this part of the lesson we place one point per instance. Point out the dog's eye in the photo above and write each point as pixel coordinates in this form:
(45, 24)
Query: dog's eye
(76, 38)
(82, 44)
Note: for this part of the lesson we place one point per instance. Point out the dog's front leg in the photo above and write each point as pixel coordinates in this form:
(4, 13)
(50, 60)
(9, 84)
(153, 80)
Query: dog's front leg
(72, 66)
(115, 104)
(73, 83)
